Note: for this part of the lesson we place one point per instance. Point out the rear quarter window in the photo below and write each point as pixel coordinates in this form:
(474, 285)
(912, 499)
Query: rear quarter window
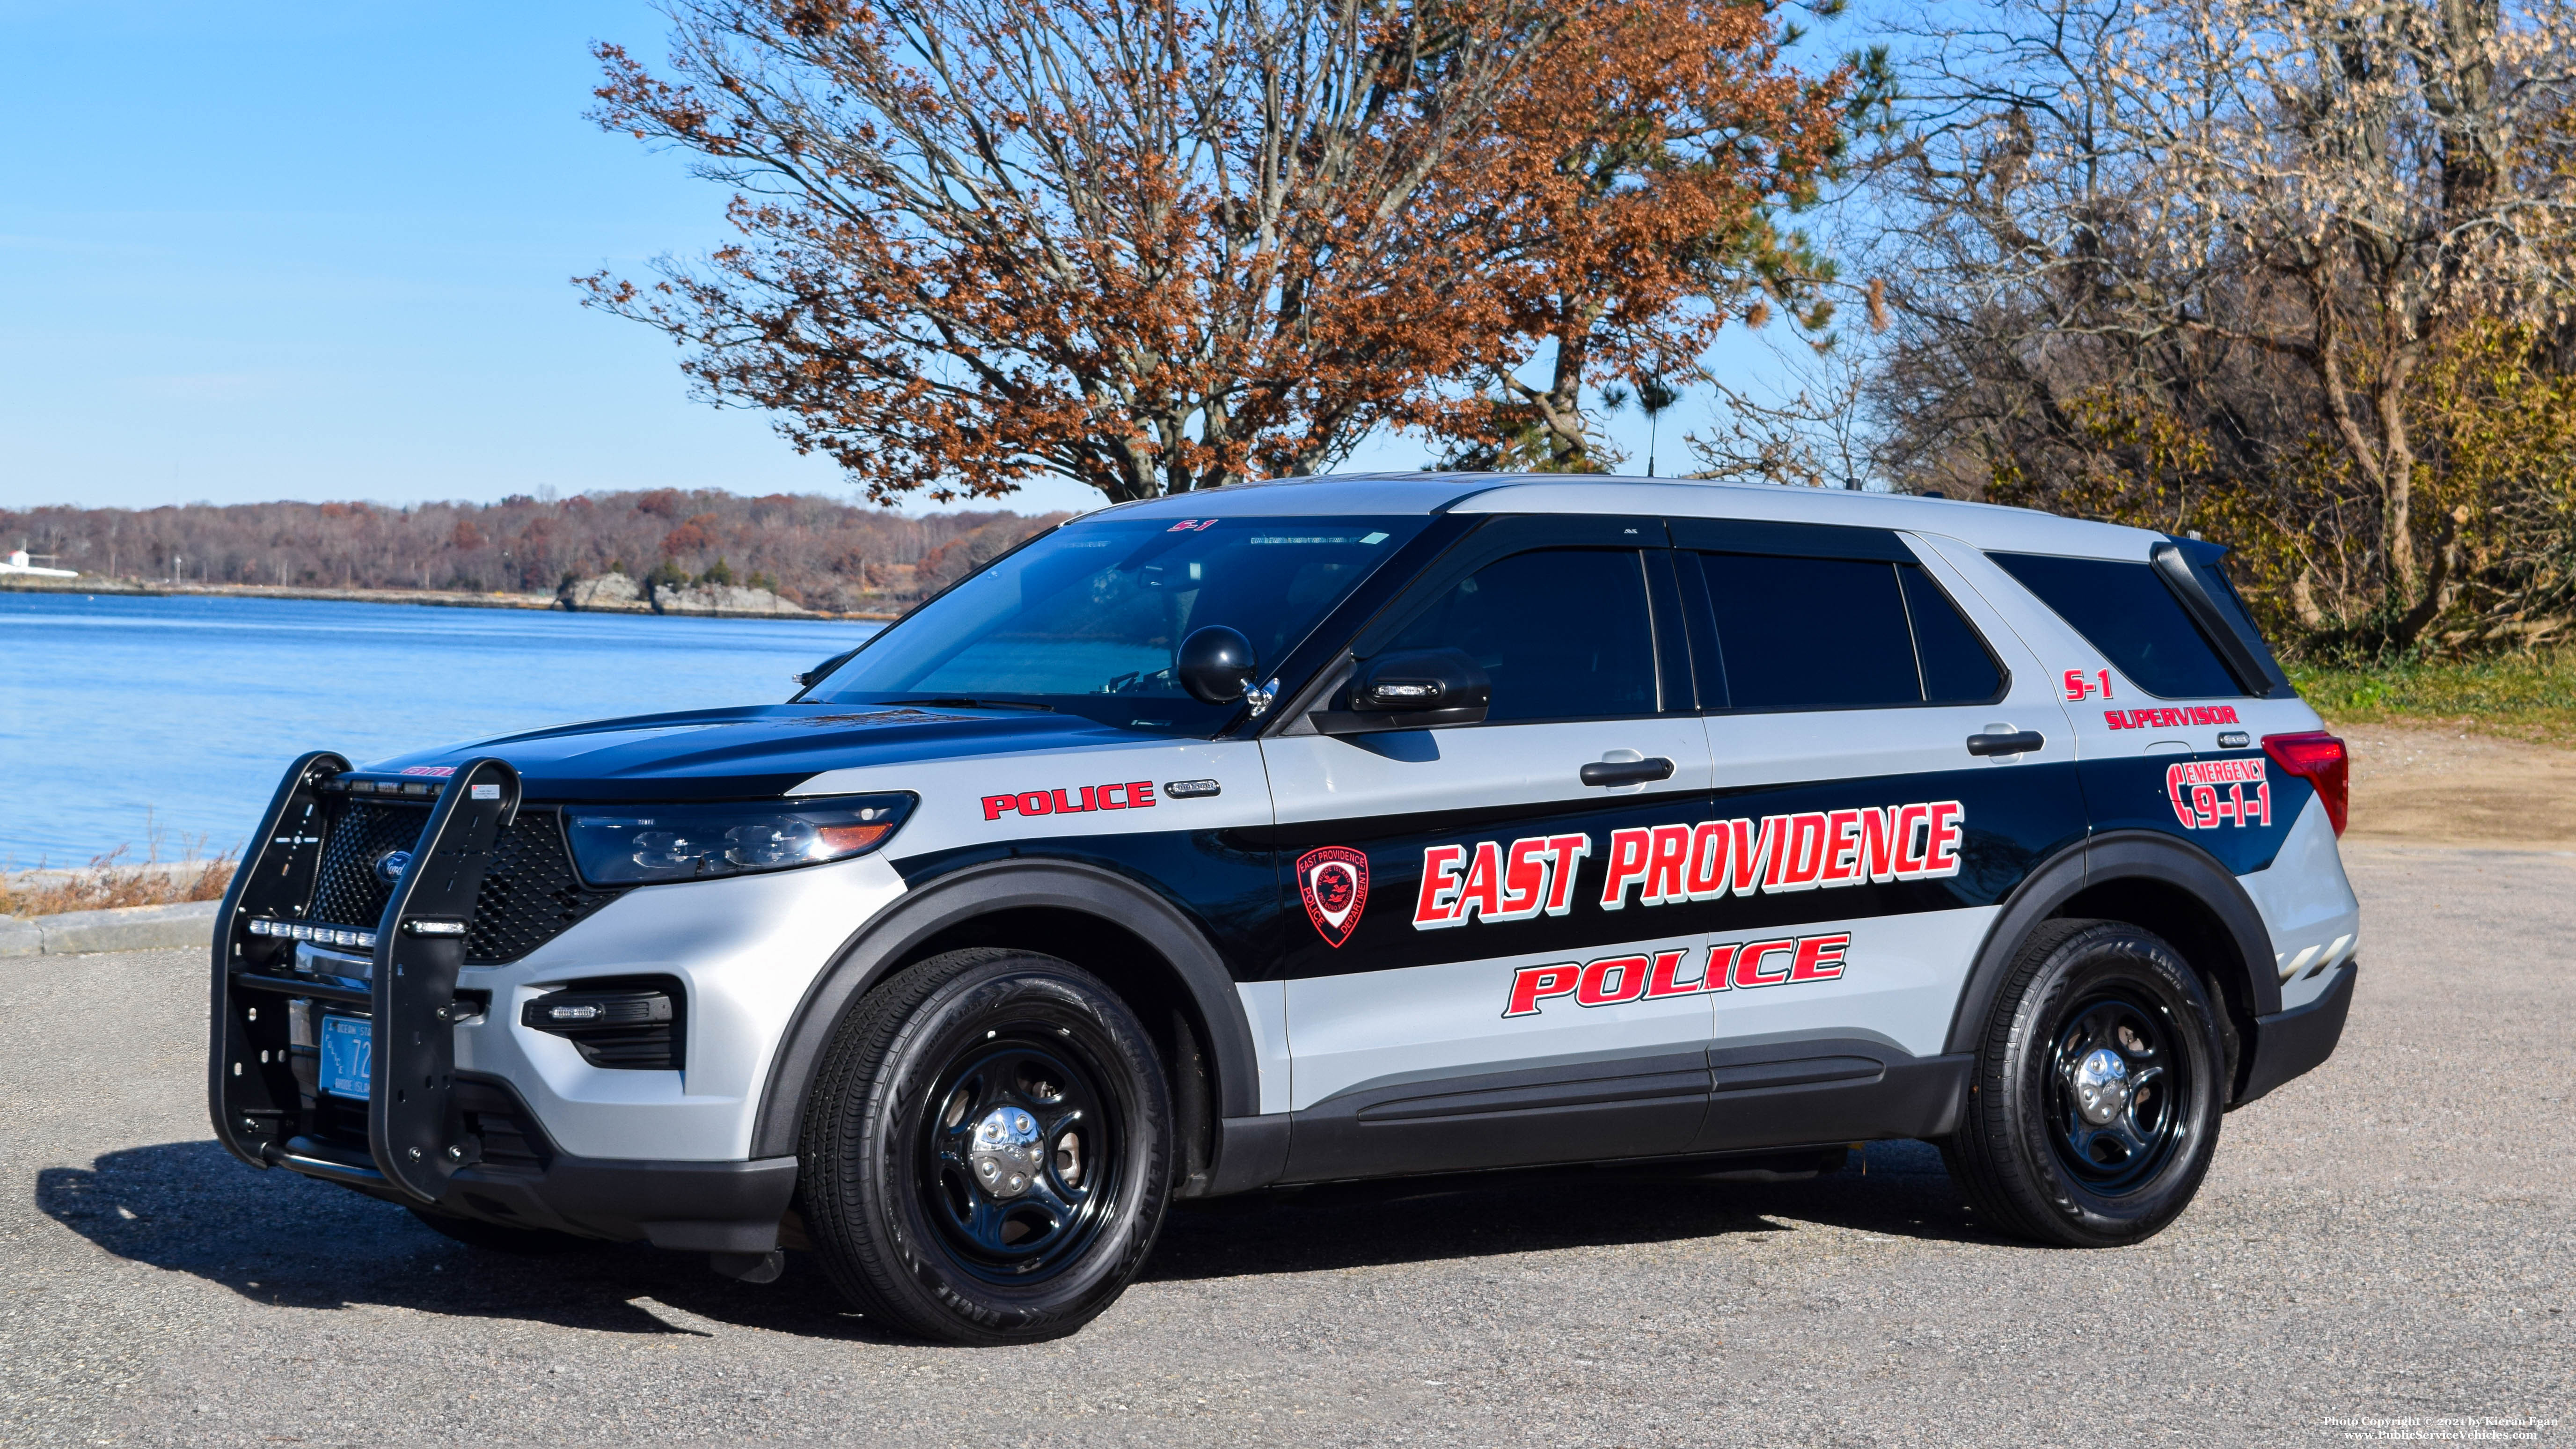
(2128, 613)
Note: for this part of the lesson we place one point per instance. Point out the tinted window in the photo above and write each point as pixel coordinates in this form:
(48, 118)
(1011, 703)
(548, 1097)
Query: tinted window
(1956, 667)
(1565, 633)
(2128, 614)
(1087, 619)
(1811, 633)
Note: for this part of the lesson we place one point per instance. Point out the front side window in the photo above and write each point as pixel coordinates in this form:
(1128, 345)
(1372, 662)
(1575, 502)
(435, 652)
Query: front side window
(1830, 633)
(2124, 610)
(1088, 619)
(1563, 632)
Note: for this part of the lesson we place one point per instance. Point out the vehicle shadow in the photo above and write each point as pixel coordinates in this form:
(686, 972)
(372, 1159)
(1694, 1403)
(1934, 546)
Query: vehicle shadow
(281, 1239)
(1893, 1188)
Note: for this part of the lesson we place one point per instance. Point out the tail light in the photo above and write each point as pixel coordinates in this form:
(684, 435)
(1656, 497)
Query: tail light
(2321, 760)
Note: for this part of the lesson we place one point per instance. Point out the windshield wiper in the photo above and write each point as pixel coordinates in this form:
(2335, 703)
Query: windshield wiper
(953, 703)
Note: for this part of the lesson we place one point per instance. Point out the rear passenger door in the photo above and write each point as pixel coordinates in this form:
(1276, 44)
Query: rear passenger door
(1432, 874)
(1888, 763)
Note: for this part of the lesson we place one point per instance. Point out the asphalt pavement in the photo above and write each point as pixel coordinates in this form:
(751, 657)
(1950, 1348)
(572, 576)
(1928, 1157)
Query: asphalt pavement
(2383, 1251)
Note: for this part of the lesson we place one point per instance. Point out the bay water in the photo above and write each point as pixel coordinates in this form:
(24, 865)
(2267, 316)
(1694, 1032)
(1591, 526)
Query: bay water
(120, 716)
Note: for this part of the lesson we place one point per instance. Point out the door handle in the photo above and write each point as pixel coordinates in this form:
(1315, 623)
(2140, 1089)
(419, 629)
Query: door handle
(1627, 772)
(2019, 742)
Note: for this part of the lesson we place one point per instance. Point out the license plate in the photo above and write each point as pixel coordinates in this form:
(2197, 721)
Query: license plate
(348, 1047)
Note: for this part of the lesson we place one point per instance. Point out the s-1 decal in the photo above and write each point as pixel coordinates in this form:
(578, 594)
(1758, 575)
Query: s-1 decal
(1133, 795)
(2080, 689)
(1670, 864)
(2203, 807)
(1736, 965)
(2165, 719)
(1333, 881)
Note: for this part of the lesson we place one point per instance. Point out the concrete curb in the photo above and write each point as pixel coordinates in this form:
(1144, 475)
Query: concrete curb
(127, 928)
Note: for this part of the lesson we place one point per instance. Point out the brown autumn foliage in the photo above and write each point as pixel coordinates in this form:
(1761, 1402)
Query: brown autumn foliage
(1636, 178)
(819, 552)
(1155, 248)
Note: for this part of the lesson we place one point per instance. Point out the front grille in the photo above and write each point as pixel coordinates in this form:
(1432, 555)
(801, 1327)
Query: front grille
(530, 894)
(350, 893)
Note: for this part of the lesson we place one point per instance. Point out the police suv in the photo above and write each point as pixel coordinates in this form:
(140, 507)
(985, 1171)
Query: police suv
(1324, 829)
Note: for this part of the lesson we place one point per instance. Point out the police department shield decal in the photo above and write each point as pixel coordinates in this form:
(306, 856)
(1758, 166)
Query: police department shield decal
(1334, 883)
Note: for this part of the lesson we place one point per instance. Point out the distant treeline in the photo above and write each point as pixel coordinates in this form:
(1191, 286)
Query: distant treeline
(814, 551)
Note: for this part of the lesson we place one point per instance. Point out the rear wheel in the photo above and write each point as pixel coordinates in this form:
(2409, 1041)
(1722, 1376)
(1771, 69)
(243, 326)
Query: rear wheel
(2098, 1089)
(989, 1149)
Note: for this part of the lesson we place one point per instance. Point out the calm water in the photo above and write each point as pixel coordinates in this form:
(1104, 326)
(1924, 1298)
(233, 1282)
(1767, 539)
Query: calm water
(190, 708)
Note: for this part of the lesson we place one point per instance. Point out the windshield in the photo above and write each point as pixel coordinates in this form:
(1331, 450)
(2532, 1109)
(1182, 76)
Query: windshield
(1087, 619)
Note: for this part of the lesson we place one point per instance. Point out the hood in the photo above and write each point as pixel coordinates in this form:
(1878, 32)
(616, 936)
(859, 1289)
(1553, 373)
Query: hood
(753, 752)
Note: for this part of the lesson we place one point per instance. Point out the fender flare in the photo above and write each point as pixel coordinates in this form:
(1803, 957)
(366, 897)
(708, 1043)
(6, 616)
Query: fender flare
(951, 900)
(2116, 855)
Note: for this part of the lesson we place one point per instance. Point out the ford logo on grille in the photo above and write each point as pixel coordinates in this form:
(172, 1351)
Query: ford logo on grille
(391, 865)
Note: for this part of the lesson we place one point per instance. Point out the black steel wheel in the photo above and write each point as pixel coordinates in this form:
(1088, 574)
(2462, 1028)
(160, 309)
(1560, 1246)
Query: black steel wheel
(2099, 1085)
(988, 1151)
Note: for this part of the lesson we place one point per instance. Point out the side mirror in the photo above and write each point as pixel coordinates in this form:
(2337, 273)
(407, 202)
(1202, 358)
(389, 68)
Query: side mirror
(1215, 665)
(1415, 689)
(814, 676)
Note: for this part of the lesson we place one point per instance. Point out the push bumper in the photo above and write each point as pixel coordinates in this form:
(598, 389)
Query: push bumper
(2290, 1043)
(706, 1207)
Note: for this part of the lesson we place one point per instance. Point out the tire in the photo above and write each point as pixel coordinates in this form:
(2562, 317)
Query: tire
(496, 1238)
(2035, 1152)
(989, 1150)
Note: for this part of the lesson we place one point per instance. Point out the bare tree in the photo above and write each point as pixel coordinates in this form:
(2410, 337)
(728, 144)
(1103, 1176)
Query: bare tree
(2192, 262)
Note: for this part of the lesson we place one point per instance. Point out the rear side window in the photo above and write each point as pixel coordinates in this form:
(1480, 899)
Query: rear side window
(2126, 611)
(1833, 633)
(1564, 633)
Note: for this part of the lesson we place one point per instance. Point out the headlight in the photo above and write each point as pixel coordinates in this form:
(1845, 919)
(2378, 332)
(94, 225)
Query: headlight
(640, 844)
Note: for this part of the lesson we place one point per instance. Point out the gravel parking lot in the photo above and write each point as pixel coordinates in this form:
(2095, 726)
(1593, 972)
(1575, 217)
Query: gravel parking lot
(2386, 1239)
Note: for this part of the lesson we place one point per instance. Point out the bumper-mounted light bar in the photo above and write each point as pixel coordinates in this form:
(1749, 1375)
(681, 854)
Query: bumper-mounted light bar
(318, 935)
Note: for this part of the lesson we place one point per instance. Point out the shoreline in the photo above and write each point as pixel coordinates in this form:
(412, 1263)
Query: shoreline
(416, 598)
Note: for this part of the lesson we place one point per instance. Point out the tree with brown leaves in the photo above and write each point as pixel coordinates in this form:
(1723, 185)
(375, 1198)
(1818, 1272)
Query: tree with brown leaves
(1155, 248)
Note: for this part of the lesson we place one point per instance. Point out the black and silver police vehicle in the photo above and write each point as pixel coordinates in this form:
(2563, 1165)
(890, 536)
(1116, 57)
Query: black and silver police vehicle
(1326, 829)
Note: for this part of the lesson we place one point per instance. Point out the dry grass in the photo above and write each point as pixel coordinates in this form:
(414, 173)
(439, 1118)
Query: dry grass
(114, 880)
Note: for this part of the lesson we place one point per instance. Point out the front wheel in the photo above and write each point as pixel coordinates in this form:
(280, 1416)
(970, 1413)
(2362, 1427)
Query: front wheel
(989, 1150)
(2098, 1089)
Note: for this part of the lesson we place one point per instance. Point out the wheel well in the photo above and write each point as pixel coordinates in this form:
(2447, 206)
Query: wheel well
(1143, 978)
(2199, 934)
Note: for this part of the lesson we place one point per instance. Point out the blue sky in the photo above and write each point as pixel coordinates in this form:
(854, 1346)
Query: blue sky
(289, 250)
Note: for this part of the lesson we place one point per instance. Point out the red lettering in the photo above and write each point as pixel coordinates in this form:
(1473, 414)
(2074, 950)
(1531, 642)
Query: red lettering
(1707, 878)
(1819, 958)
(1668, 965)
(1878, 842)
(1563, 851)
(1911, 822)
(1100, 796)
(1667, 872)
(1754, 847)
(1436, 906)
(1065, 806)
(1721, 967)
(1482, 895)
(1629, 852)
(994, 805)
(1805, 857)
(1600, 988)
(1842, 850)
(1943, 856)
(1749, 970)
(1525, 881)
(1140, 795)
(1045, 803)
(1534, 984)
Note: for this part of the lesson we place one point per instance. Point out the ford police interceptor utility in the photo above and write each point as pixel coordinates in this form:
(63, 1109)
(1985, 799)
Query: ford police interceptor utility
(1326, 829)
